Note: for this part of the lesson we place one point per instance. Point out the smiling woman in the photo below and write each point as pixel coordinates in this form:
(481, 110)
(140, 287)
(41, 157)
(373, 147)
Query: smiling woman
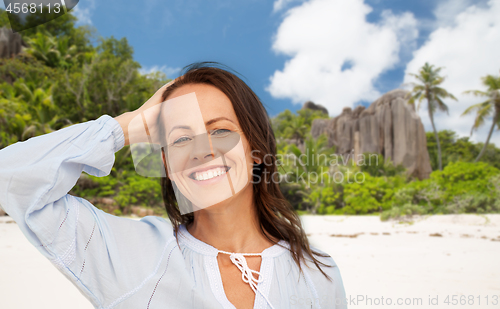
(238, 244)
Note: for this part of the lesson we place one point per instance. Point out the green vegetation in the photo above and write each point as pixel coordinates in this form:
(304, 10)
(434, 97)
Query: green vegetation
(428, 89)
(288, 125)
(460, 149)
(379, 187)
(68, 76)
(489, 107)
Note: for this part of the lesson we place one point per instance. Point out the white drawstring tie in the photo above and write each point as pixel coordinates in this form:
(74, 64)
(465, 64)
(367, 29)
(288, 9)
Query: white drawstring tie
(247, 274)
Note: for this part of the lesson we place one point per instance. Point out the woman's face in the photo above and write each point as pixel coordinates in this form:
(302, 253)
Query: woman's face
(207, 154)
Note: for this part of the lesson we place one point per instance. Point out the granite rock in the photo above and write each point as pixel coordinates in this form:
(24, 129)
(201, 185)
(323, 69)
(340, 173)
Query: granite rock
(10, 43)
(389, 126)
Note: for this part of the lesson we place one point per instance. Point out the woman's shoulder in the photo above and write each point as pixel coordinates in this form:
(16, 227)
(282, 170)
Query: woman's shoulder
(328, 290)
(327, 265)
(323, 257)
(326, 262)
(162, 225)
(331, 288)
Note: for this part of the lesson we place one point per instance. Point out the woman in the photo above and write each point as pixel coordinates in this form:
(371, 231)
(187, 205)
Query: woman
(241, 247)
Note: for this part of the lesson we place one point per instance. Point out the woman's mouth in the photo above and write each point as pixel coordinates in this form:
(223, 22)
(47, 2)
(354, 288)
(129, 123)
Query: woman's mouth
(210, 173)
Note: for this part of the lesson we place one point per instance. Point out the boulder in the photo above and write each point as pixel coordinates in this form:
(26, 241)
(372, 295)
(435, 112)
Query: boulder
(316, 107)
(319, 126)
(389, 126)
(11, 43)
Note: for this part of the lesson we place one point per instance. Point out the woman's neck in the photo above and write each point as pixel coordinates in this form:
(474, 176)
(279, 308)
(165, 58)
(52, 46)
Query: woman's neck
(231, 226)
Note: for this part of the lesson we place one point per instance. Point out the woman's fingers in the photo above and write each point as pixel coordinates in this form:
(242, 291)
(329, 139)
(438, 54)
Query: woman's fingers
(138, 123)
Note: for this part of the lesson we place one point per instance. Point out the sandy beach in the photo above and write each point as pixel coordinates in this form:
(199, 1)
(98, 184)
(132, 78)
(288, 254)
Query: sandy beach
(383, 264)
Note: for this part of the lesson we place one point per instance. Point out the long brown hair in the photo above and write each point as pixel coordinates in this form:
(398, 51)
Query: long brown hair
(276, 216)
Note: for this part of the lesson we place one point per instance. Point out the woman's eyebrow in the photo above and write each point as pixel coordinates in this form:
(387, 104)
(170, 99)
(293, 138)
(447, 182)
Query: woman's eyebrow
(178, 127)
(211, 121)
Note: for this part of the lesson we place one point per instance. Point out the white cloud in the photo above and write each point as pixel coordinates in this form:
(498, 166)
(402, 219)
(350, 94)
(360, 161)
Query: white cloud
(83, 11)
(281, 4)
(170, 72)
(405, 27)
(468, 48)
(447, 10)
(321, 36)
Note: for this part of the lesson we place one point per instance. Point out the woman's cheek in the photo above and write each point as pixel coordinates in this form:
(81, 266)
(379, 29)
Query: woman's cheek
(238, 157)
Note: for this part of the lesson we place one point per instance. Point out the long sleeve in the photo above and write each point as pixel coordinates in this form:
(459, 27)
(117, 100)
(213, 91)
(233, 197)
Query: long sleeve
(108, 258)
(40, 171)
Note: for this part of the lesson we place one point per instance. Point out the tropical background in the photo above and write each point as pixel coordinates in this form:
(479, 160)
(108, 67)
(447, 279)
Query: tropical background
(67, 74)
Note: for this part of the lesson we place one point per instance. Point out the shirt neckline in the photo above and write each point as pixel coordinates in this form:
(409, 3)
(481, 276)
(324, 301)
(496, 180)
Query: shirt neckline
(201, 247)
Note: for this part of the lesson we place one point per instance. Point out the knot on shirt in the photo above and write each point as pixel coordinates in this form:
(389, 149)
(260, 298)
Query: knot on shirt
(247, 274)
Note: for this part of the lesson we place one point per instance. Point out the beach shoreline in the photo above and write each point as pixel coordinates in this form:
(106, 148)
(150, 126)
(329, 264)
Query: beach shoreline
(433, 256)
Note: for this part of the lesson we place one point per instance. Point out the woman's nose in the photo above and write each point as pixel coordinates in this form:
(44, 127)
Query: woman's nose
(201, 151)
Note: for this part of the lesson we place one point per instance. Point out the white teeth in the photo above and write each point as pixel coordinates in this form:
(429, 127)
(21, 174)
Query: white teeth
(209, 174)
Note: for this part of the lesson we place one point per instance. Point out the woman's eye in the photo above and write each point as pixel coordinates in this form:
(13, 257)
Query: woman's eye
(221, 132)
(181, 140)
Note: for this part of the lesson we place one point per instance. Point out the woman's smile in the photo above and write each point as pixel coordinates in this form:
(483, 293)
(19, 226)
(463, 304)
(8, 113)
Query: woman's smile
(209, 175)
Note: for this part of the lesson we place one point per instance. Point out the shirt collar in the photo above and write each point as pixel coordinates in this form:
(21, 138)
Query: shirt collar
(201, 247)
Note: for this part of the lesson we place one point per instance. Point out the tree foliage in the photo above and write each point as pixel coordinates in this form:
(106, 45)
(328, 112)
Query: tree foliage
(68, 76)
(490, 107)
(428, 88)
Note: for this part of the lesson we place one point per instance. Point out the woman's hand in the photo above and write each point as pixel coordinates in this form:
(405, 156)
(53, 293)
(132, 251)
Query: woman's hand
(134, 123)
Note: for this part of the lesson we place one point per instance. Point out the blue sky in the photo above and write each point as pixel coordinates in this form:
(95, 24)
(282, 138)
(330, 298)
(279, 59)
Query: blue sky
(334, 52)
(171, 34)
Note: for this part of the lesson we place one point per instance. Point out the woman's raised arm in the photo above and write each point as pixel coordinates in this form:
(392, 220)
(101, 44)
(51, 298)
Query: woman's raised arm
(42, 170)
(106, 257)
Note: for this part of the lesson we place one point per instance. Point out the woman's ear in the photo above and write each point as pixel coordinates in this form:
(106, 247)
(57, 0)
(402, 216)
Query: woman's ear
(256, 157)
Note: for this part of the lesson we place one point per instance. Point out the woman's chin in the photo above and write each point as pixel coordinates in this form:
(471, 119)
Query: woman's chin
(209, 192)
(214, 199)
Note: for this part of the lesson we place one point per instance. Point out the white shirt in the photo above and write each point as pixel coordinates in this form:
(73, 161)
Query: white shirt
(122, 263)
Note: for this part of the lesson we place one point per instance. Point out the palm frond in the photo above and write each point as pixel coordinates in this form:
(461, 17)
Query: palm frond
(491, 82)
(481, 116)
(440, 92)
(441, 105)
(477, 93)
(475, 107)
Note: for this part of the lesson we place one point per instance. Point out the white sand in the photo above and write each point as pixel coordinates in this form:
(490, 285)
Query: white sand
(406, 264)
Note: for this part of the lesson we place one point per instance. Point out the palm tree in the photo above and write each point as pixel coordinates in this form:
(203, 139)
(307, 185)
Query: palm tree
(487, 108)
(313, 158)
(67, 53)
(44, 48)
(54, 52)
(428, 88)
(14, 116)
(311, 161)
(40, 104)
(296, 130)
